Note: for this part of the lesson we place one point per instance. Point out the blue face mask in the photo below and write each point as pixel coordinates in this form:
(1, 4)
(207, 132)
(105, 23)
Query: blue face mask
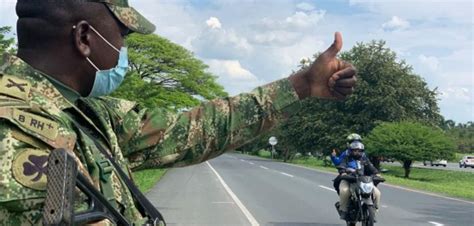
(106, 81)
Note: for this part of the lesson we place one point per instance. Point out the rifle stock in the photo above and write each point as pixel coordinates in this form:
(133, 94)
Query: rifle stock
(63, 177)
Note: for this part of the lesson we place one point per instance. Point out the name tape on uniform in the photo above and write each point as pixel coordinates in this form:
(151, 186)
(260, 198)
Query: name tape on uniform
(37, 124)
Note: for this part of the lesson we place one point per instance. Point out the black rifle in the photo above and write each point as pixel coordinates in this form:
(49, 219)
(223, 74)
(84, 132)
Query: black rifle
(63, 177)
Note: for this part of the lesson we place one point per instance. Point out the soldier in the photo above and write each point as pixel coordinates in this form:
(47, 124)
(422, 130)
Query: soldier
(71, 54)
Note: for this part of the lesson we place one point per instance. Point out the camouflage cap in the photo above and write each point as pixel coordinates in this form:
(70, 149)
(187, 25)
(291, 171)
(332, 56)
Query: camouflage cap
(129, 16)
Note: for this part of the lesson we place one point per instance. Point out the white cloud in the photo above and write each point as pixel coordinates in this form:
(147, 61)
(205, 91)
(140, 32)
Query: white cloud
(221, 43)
(298, 20)
(303, 19)
(459, 11)
(233, 76)
(429, 61)
(305, 6)
(396, 23)
(213, 23)
(278, 37)
(455, 94)
(232, 69)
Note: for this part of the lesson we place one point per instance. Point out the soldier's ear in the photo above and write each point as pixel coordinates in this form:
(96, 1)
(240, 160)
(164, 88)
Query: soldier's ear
(82, 38)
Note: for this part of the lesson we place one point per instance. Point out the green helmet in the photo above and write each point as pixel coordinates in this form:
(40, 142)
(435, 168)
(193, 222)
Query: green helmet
(353, 137)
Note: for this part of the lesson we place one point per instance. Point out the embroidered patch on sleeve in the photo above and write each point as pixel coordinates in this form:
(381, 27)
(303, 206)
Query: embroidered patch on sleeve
(29, 168)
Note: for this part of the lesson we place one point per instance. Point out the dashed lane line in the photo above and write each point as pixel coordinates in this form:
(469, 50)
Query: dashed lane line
(289, 175)
(327, 188)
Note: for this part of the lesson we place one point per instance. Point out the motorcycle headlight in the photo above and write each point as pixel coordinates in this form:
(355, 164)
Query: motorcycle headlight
(367, 188)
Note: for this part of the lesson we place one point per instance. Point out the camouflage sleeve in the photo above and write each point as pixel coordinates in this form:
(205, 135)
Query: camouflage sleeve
(156, 138)
(22, 177)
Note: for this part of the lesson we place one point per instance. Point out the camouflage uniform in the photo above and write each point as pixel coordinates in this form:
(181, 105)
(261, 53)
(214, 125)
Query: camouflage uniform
(36, 114)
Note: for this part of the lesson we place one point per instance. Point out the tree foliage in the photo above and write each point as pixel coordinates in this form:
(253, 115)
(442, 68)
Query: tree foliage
(167, 75)
(462, 133)
(409, 141)
(387, 91)
(6, 44)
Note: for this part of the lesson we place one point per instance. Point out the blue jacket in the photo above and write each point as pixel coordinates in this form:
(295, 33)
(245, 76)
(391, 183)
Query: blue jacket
(338, 159)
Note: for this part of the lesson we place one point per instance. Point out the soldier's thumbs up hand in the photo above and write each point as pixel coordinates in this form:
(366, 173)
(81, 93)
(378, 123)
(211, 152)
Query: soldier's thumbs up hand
(327, 77)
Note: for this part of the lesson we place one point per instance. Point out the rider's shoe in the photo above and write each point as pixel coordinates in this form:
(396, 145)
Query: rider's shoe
(343, 215)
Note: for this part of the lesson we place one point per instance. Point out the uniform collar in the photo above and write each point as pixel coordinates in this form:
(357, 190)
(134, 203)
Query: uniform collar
(68, 93)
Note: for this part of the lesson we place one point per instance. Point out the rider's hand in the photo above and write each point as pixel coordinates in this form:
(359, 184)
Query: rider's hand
(350, 170)
(328, 77)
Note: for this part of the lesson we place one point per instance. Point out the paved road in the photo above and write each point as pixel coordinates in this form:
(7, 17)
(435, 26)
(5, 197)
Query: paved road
(255, 191)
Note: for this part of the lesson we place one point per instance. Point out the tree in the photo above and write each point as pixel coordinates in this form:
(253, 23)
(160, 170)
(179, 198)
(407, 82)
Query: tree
(166, 75)
(387, 91)
(409, 141)
(6, 44)
(462, 133)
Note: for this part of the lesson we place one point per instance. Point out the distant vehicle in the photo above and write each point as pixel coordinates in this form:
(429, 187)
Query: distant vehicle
(466, 161)
(441, 162)
(385, 159)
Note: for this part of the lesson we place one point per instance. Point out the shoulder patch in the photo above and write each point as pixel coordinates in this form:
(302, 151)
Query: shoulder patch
(15, 87)
(29, 168)
(37, 124)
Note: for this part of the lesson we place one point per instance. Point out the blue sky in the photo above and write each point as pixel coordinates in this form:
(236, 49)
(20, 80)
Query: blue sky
(249, 43)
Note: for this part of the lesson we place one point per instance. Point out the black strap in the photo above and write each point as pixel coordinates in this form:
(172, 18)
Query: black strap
(144, 205)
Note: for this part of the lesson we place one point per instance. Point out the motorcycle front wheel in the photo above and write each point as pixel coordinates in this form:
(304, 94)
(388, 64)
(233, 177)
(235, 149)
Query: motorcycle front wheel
(369, 218)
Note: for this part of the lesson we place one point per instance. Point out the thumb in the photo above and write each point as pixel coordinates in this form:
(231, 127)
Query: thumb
(336, 46)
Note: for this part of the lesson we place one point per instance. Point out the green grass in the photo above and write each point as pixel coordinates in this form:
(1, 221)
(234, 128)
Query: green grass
(146, 179)
(445, 182)
(264, 154)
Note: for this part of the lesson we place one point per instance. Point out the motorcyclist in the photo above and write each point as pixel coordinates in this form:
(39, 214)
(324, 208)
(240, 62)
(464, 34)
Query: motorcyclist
(337, 159)
(348, 165)
(351, 138)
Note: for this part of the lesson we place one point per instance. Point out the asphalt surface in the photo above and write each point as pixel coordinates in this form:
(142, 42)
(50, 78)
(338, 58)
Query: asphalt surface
(255, 191)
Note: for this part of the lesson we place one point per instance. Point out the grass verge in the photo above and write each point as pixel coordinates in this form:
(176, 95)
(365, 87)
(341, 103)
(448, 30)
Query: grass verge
(146, 179)
(445, 182)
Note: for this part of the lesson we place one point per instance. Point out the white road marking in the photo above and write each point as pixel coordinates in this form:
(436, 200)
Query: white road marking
(327, 188)
(435, 223)
(251, 163)
(289, 175)
(384, 206)
(244, 210)
(263, 167)
(242, 160)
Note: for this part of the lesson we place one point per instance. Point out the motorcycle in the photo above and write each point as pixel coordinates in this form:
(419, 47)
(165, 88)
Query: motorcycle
(361, 204)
